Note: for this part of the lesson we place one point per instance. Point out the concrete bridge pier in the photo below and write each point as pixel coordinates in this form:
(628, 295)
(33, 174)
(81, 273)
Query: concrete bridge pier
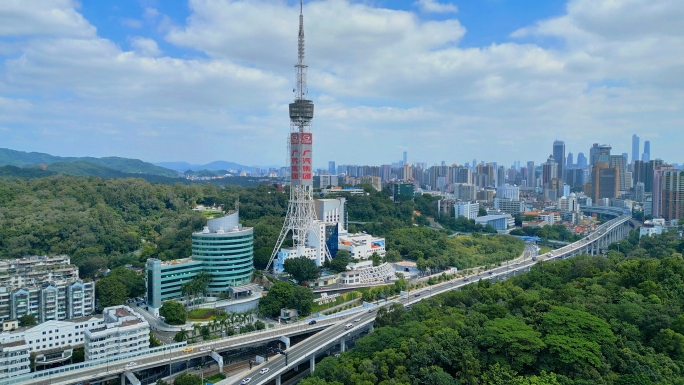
(277, 379)
(343, 347)
(312, 363)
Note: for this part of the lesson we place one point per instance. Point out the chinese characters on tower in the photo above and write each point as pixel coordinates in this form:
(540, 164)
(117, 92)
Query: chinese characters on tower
(301, 168)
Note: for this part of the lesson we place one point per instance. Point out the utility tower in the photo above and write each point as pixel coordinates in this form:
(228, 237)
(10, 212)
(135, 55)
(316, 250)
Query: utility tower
(300, 219)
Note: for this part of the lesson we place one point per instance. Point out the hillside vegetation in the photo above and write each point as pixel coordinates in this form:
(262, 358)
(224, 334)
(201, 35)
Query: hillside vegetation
(582, 321)
(124, 166)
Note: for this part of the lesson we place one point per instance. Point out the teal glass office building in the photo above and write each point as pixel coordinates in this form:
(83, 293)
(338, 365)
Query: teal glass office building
(224, 249)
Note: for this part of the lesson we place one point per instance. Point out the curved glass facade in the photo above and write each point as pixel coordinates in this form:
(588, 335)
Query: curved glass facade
(226, 253)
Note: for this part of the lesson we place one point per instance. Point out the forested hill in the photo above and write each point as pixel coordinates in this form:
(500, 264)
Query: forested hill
(110, 222)
(582, 321)
(124, 166)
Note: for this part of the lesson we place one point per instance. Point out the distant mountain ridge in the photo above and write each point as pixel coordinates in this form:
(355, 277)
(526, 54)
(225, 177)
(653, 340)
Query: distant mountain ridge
(213, 166)
(83, 166)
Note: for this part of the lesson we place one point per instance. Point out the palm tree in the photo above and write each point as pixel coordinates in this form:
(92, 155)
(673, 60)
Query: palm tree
(181, 336)
(233, 318)
(195, 329)
(223, 321)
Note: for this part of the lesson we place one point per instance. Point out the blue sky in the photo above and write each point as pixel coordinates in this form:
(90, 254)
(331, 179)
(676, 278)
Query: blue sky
(496, 80)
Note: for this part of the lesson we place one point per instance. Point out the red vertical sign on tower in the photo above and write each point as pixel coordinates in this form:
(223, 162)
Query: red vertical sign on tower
(301, 160)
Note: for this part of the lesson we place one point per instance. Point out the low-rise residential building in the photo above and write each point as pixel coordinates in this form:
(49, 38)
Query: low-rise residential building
(10, 324)
(54, 341)
(652, 227)
(124, 331)
(14, 359)
(362, 245)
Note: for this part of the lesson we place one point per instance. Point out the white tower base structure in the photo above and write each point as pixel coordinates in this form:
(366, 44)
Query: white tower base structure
(308, 234)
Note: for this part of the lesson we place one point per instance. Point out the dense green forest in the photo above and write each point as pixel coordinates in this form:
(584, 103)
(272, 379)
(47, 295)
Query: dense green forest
(440, 251)
(110, 222)
(582, 321)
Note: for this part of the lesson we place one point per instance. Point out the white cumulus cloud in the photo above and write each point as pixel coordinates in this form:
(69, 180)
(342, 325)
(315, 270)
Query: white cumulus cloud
(433, 6)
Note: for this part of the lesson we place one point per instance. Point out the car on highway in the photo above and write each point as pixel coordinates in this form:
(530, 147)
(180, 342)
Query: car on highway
(417, 295)
(534, 258)
(312, 322)
(371, 310)
(465, 278)
(263, 371)
(204, 349)
(357, 320)
(188, 350)
(131, 364)
(348, 326)
(246, 380)
(491, 272)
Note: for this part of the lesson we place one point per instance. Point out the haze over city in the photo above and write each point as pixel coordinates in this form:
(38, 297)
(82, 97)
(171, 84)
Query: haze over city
(205, 80)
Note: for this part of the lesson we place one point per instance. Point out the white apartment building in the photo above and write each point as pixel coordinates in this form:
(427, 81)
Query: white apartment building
(508, 192)
(14, 359)
(124, 331)
(53, 341)
(509, 206)
(466, 209)
(361, 245)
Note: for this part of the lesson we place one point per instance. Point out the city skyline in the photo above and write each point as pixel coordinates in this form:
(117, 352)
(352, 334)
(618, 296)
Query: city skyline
(441, 80)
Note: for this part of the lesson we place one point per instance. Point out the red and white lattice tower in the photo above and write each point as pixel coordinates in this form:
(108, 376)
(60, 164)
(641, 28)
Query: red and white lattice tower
(300, 220)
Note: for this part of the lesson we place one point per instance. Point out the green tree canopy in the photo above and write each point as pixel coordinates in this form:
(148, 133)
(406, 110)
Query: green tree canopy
(302, 269)
(110, 291)
(27, 320)
(173, 312)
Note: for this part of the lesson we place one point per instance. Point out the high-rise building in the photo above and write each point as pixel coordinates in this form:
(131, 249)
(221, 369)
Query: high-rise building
(501, 176)
(606, 181)
(671, 203)
(46, 287)
(531, 174)
(639, 192)
(620, 162)
(549, 170)
(570, 162)
(574, 177)
(599, 153)
(331, 168)
(646, 156)
(559, 157)
(581, 160)
(300, 220)
(635, 148)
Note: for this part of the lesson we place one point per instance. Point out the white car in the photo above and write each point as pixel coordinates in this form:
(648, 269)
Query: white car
(357, 320)
(205, 348)
(246, 380)
(263, 371)
(131, 364)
